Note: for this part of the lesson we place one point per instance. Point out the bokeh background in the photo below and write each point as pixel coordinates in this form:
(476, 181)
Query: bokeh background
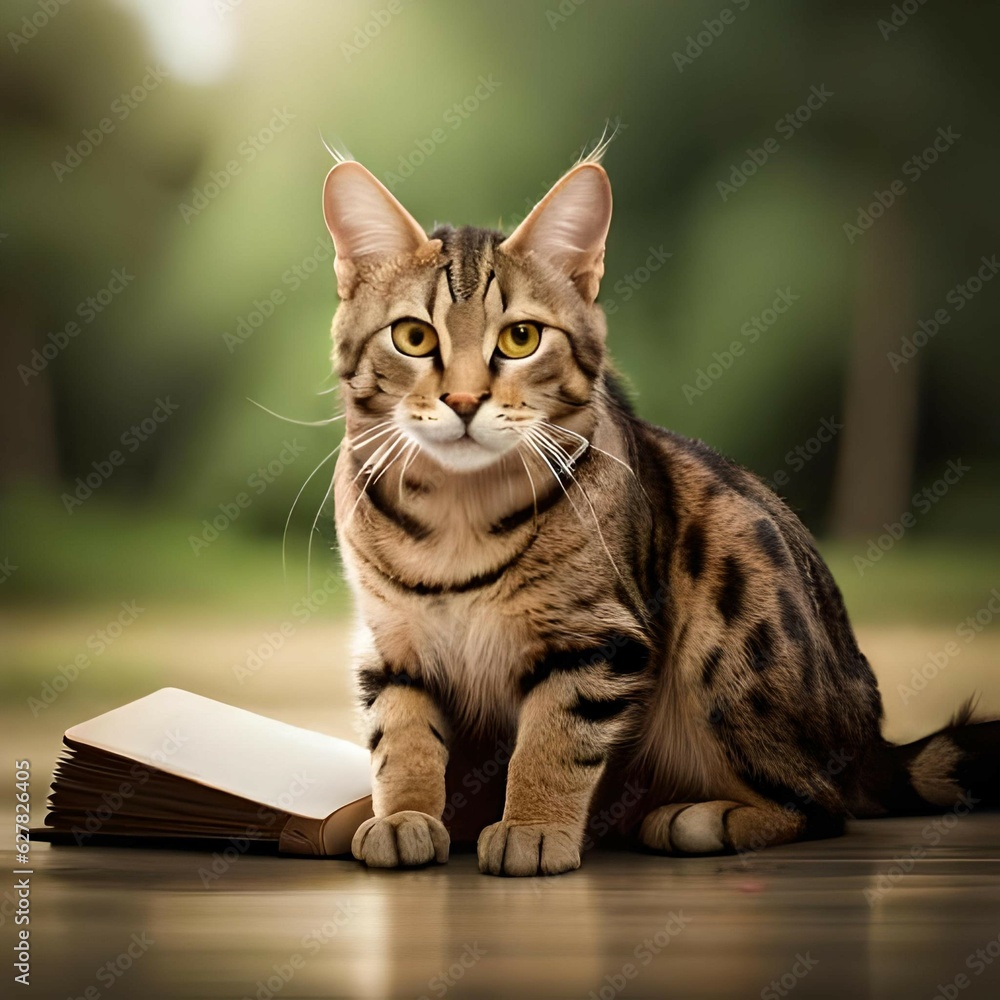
(161, 171)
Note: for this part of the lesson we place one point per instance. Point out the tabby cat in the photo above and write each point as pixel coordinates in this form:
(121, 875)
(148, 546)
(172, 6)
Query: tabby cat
(637, 619)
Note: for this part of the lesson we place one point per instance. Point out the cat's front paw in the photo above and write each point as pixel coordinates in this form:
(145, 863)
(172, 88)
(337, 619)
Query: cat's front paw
(402, 840)
(510, 848)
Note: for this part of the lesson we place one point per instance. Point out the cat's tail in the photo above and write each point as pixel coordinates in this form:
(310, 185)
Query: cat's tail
(956, 768)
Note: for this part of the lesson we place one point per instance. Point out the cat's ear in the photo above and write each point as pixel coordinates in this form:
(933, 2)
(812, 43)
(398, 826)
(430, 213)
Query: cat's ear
(364, 218)
(568, 227)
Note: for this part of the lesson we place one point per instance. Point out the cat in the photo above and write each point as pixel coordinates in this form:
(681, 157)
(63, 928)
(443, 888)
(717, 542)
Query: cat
(532, 562)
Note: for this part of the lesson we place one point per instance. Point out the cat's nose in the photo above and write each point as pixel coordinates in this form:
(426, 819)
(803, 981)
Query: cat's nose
(465, 404)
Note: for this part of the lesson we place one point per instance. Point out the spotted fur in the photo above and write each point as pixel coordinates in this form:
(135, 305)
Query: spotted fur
(535, 565)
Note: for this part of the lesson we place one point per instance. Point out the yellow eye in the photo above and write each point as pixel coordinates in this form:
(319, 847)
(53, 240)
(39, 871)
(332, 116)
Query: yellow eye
(519, 340)
(414, 337)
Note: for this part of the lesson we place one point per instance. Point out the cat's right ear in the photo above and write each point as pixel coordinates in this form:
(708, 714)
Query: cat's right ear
(364, 218)
(568, 227)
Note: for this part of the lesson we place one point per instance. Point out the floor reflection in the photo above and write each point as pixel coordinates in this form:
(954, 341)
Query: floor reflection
(147, 924)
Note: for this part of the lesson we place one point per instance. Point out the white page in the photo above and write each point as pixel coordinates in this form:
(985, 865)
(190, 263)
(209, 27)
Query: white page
(260, 759)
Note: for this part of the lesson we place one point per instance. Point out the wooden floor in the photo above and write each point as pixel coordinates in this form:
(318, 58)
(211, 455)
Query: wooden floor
(808, 918)
(896, 909)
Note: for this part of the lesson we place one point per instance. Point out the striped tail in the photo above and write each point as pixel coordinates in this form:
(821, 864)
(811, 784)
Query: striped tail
(957, 766)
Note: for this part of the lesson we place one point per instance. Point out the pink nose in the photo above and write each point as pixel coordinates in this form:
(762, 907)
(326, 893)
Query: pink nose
(464, 404)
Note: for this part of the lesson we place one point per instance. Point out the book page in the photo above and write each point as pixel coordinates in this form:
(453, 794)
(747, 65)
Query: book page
(287, 768)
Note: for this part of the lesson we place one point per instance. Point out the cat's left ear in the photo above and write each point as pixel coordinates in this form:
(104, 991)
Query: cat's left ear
(569, 226)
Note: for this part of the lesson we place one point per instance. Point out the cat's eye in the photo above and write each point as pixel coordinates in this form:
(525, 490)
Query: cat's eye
(519, 340)
(414, 337)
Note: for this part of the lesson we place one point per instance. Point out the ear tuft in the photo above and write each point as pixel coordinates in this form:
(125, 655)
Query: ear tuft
(569, 226)
(364, 218)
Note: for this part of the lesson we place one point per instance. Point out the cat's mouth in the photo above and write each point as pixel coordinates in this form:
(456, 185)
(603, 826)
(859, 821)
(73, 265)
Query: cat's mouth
(465, 452)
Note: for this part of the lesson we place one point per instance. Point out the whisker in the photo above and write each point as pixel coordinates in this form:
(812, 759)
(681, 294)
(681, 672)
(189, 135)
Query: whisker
(585, 441)
(292, 420)
(372, 467)
(600, 451)
(389, 462)
(531, 483)
(563, 457)
(555, 475)
(284, 534)
(375, 459)
(312, 531)
(614, 458)
(414, 450)
(537, 431)
(372, 434)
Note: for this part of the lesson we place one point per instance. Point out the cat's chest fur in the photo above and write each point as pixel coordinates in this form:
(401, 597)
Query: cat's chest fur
(469, 645)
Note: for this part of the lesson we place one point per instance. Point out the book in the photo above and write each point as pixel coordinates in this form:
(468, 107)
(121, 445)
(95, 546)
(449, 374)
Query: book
(176, 769)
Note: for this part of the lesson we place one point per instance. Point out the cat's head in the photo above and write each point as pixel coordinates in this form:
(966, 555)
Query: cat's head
(467, 341)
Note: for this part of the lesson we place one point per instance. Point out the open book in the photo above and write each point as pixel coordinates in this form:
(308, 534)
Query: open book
(175, 766)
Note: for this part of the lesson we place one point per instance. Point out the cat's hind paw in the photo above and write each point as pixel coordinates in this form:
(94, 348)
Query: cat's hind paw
(719, 826)
(402, 840)
(508, 848)
(688, 828)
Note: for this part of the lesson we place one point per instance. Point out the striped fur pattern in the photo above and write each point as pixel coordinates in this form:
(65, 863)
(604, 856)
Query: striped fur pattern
(534, 563)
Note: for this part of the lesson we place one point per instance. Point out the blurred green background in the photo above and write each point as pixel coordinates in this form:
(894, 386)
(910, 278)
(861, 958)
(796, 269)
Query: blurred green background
(164, 261)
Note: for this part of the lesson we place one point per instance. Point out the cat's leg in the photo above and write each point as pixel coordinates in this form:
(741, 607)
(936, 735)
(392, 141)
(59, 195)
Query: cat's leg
(568, 725)
(720, 825)
(409, 756)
